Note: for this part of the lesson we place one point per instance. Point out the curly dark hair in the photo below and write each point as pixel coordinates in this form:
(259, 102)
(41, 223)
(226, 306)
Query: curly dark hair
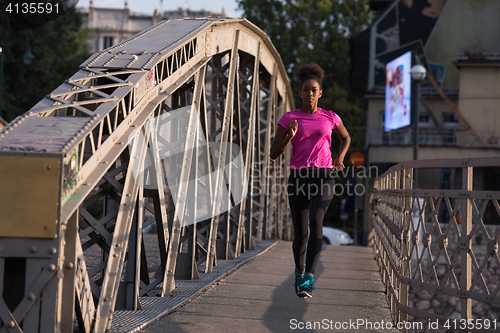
(310, 71)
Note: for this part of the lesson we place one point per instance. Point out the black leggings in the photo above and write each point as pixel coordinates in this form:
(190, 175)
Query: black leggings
(310, 192)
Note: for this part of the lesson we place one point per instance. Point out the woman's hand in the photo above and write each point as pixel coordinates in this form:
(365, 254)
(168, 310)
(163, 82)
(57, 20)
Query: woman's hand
(282, 138)
(338, 164)
(292, 128)
(345, 142)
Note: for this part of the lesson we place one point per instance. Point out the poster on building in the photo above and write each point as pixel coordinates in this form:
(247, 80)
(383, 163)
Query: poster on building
(398, 93)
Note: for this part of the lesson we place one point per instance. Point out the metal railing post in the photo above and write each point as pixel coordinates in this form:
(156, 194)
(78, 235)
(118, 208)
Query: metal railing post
(465, 244)
(393, 273)
(405, 245)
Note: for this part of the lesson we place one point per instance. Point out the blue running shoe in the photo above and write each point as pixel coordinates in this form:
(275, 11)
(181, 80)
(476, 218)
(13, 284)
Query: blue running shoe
(298, 282)
(306, 286)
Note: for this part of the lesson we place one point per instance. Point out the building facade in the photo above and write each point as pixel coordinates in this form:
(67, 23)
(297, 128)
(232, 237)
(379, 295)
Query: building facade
(111, 26)
(458, 110)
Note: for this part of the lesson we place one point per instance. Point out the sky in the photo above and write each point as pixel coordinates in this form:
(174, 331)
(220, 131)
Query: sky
(148, 6)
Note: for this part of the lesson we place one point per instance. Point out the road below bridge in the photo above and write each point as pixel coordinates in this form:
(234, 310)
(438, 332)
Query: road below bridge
(260, 297)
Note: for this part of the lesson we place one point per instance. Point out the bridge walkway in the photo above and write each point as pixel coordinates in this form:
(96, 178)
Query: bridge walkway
(259, 297)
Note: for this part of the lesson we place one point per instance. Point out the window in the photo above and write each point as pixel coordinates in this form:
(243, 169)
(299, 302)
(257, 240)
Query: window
(108, 42)
(450, 119)
(424, 120)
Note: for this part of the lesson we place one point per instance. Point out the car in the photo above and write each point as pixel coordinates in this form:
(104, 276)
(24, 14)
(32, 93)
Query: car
(334, 236)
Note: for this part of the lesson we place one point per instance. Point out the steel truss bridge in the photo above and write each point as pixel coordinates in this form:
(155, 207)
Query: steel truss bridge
(69, 189)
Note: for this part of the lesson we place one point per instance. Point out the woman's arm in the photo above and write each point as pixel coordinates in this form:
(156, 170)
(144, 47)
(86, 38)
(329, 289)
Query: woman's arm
(282, 138)
(345, 142)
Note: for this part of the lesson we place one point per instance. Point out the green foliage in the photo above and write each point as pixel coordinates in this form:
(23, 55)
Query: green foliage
(59, 47)
(307, 31)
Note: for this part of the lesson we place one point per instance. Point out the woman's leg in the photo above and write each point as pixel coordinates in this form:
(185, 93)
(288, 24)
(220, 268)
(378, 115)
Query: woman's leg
(299, 208)
(320, 200)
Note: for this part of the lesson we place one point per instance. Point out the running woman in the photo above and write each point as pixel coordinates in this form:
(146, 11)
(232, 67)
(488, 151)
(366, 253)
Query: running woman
(310, 185)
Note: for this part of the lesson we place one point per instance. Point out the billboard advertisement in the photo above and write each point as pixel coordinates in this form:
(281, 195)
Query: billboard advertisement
(398, 93)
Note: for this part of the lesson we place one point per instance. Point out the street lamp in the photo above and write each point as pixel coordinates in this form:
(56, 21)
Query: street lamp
(27, 58)
(418, 74)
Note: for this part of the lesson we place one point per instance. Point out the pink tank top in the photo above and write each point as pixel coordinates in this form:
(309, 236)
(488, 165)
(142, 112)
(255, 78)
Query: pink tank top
(311, 144)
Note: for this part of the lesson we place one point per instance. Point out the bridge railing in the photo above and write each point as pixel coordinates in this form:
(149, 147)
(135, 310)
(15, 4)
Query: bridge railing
(439, 243)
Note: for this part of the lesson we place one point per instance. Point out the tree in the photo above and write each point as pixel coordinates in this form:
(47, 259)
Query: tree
(305, 31)
(59, 47)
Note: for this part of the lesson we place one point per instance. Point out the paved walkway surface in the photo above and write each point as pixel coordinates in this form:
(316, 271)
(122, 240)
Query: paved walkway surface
(260, 297)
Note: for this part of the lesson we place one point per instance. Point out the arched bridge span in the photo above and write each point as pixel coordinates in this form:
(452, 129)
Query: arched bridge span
(132, 140)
